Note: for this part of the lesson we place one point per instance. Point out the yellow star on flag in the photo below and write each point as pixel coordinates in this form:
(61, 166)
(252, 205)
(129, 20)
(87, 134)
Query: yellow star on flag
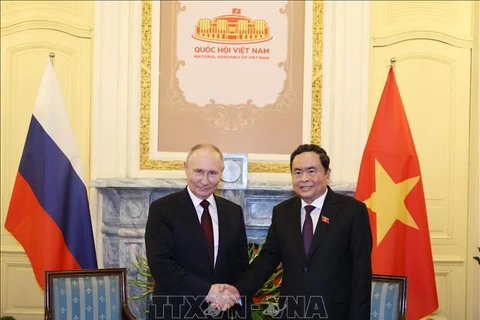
(388, 201)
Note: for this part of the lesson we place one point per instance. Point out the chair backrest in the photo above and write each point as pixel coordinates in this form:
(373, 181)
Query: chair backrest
(389, 297)
(97, 294)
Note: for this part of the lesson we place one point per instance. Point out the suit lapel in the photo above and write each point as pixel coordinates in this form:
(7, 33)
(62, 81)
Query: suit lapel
(295, 222)
(223, 227)
(189, 215)
(327, 217)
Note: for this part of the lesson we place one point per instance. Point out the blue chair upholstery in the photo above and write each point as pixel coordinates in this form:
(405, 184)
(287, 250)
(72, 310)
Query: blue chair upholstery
(97, 294)
(389, 297)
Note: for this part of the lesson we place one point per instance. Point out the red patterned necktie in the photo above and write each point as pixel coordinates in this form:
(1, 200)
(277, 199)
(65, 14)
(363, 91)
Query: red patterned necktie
(206, 222)
(308, 229)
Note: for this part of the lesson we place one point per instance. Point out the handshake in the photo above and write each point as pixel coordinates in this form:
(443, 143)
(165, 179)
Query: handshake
(222, 296)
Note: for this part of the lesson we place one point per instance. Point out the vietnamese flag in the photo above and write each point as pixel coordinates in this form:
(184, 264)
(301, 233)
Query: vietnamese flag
(390, 184)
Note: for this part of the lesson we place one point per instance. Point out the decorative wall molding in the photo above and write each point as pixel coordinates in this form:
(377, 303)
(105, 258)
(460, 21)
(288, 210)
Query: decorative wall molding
(13, 251)
(446, 19)
(419, 35)
(116, 79)
(448, 260)
(345, 70)
(79, 32)
(72, 17)
(17, 274)
(444, 279)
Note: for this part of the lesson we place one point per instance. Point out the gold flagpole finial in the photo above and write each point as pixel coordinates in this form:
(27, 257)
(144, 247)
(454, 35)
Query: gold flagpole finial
(392, 62)
(51, 56)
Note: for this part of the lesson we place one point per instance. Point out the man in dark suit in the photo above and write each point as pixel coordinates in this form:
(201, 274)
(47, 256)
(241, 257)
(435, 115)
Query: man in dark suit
(323, 240)
(194, 239)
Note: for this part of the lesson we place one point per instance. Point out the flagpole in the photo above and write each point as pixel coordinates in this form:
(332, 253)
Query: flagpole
(49, 213)
(51, 56)
(390, 185)
(392, 62)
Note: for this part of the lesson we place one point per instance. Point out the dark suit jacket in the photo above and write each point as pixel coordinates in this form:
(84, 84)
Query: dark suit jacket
(334, 280)
(178, 256)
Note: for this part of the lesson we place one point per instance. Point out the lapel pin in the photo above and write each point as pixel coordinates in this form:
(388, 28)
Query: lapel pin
(326, 220)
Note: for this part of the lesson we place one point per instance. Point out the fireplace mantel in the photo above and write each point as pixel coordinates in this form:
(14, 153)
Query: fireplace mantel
(124, 207)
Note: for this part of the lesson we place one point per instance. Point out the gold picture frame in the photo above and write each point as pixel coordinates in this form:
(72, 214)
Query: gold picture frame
(146, 163)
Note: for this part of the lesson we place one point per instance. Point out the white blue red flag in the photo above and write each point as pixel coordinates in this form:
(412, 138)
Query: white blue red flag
(48, 212)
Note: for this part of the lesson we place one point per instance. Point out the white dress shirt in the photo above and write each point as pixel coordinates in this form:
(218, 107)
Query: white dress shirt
(315, 214)
(212, 208)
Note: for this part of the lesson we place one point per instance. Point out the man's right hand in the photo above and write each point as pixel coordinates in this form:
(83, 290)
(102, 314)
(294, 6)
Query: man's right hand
(223, 296)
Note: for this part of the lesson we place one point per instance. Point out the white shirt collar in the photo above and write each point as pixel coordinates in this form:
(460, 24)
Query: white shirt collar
(317, 203)
(196, 200)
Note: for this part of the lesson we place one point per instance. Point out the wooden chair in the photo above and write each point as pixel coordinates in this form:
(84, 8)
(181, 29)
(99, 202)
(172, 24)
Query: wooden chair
(96, 294)
(389, 297)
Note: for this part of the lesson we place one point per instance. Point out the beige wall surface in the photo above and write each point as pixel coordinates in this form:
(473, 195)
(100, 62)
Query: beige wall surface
(436, 45)
(433, 43)
(240, 100)
(30, 30)
(473, 243)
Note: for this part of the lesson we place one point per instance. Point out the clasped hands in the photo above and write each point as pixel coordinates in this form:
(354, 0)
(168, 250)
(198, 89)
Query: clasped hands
(222, 296)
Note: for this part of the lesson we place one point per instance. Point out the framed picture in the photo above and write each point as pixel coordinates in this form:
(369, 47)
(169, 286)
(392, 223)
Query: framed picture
(232, 74)
(389, 297)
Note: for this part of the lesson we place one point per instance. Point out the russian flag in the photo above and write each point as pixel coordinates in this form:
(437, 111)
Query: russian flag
(49, 213)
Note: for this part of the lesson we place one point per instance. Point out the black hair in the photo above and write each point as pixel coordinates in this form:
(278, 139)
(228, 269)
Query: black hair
(324, 158)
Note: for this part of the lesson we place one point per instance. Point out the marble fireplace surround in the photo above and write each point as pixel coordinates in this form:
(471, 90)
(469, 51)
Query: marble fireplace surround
(124, 207)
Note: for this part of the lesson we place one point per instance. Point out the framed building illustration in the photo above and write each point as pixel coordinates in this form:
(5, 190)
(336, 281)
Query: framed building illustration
(228, 73)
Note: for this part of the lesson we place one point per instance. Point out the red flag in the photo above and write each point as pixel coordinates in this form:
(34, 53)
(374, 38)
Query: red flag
(49, 213)
(390, 184)
(236, 11)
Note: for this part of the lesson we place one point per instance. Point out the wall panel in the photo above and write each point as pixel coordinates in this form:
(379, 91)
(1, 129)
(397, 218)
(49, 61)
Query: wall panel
(432, 43)
(30, 31)
(16, 276)
(451, 21)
